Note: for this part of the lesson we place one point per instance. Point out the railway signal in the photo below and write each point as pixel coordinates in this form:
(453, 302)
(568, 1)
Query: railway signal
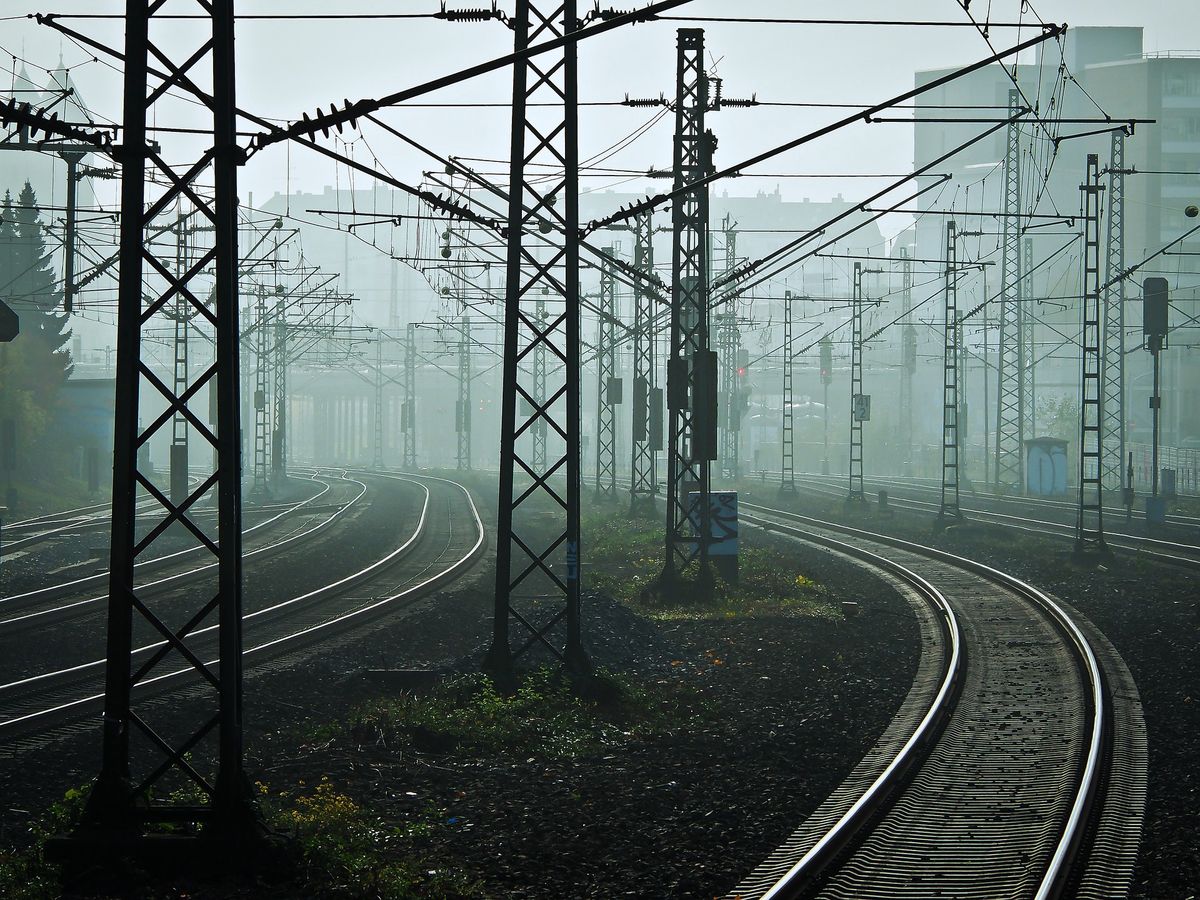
(10, 323)
(1155, 316)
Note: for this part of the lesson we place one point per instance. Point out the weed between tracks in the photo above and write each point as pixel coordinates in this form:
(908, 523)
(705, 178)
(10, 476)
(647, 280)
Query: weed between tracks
(550, 715)
(336, 849)
(626, 558)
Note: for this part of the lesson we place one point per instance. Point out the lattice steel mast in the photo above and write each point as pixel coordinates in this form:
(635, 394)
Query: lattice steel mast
(787, 484)
(538, 428)
(949, 508)
(1028, 344)
(123, 799)
(606, 387)
(279, 457)
(1010, 354)
(537, 568)
(262, 391)
(1112, 351)
(377, 404)
(463, 405)
(181, 313)
(729, 341)
(908, 361)
(408, 412)
(1089, 524)
(691, 366)
(647, 396)
(856, 390)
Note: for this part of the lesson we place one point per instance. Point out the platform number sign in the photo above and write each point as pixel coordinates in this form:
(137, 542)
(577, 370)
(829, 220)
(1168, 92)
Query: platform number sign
(862, 407)
(10, 324)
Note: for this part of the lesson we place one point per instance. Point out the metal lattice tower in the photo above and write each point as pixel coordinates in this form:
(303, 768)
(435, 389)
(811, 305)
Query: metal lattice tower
(262, 391)
(1010, 351)
(539, 431)
(647, 397)
(279, 451)
(691, 366)
(377, 399)
(127, 796)
(606, 369)
(1089, 525)
(408, 413)
(537, 568)
(1028, 345)
(728, 344)
(729, 340)
(181, 313)
(908, 360)
(787, 484)
(463, 406)
(856, 390)
(1112, 352)
(949, 508)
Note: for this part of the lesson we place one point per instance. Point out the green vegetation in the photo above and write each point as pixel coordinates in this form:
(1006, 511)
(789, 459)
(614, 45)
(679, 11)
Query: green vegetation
(549, 715)
(341, 851)
(33, 367)
(626, 558)
(346, 852)
(25, 873)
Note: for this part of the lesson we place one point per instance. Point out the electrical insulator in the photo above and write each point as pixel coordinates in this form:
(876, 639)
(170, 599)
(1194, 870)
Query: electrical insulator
(469, 15)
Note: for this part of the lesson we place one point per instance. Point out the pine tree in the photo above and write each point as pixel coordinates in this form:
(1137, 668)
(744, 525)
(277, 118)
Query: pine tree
(8, 237)
(36, 297)
(36, 365)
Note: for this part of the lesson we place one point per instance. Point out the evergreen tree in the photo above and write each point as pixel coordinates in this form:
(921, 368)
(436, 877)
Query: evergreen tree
(33, 292)
(34, 366)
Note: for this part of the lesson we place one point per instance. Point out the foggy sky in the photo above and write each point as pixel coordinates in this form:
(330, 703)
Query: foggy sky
(287, 68)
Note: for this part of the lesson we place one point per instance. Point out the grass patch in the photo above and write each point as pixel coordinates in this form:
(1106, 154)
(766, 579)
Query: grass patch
(25, 873)
(627, 559)
(548, 716)
(344, 851)
(338, 849)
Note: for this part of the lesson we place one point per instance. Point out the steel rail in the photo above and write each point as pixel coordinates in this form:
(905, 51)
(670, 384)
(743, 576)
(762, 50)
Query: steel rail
(855, 818)
(56, 524)
(1185, 555)
(290, 640)
(924, 484)
(57, 613)
(149, 565)
(1054, 880)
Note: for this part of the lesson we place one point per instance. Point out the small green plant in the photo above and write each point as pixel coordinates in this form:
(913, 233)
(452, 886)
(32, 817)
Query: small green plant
(25, 873)
(346, 852)
(628, 561)
(548, 714)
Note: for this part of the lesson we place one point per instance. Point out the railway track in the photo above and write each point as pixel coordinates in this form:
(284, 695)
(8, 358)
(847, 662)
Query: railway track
(446, 538)
(1015, 768)
(67, 523)
(286, 525)
(1174, 552)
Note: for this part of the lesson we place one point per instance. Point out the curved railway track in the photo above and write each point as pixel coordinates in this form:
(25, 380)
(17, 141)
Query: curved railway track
(64, 523)
(288, 525)
(1015, 768)
(447, 537)
(1178, 553)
